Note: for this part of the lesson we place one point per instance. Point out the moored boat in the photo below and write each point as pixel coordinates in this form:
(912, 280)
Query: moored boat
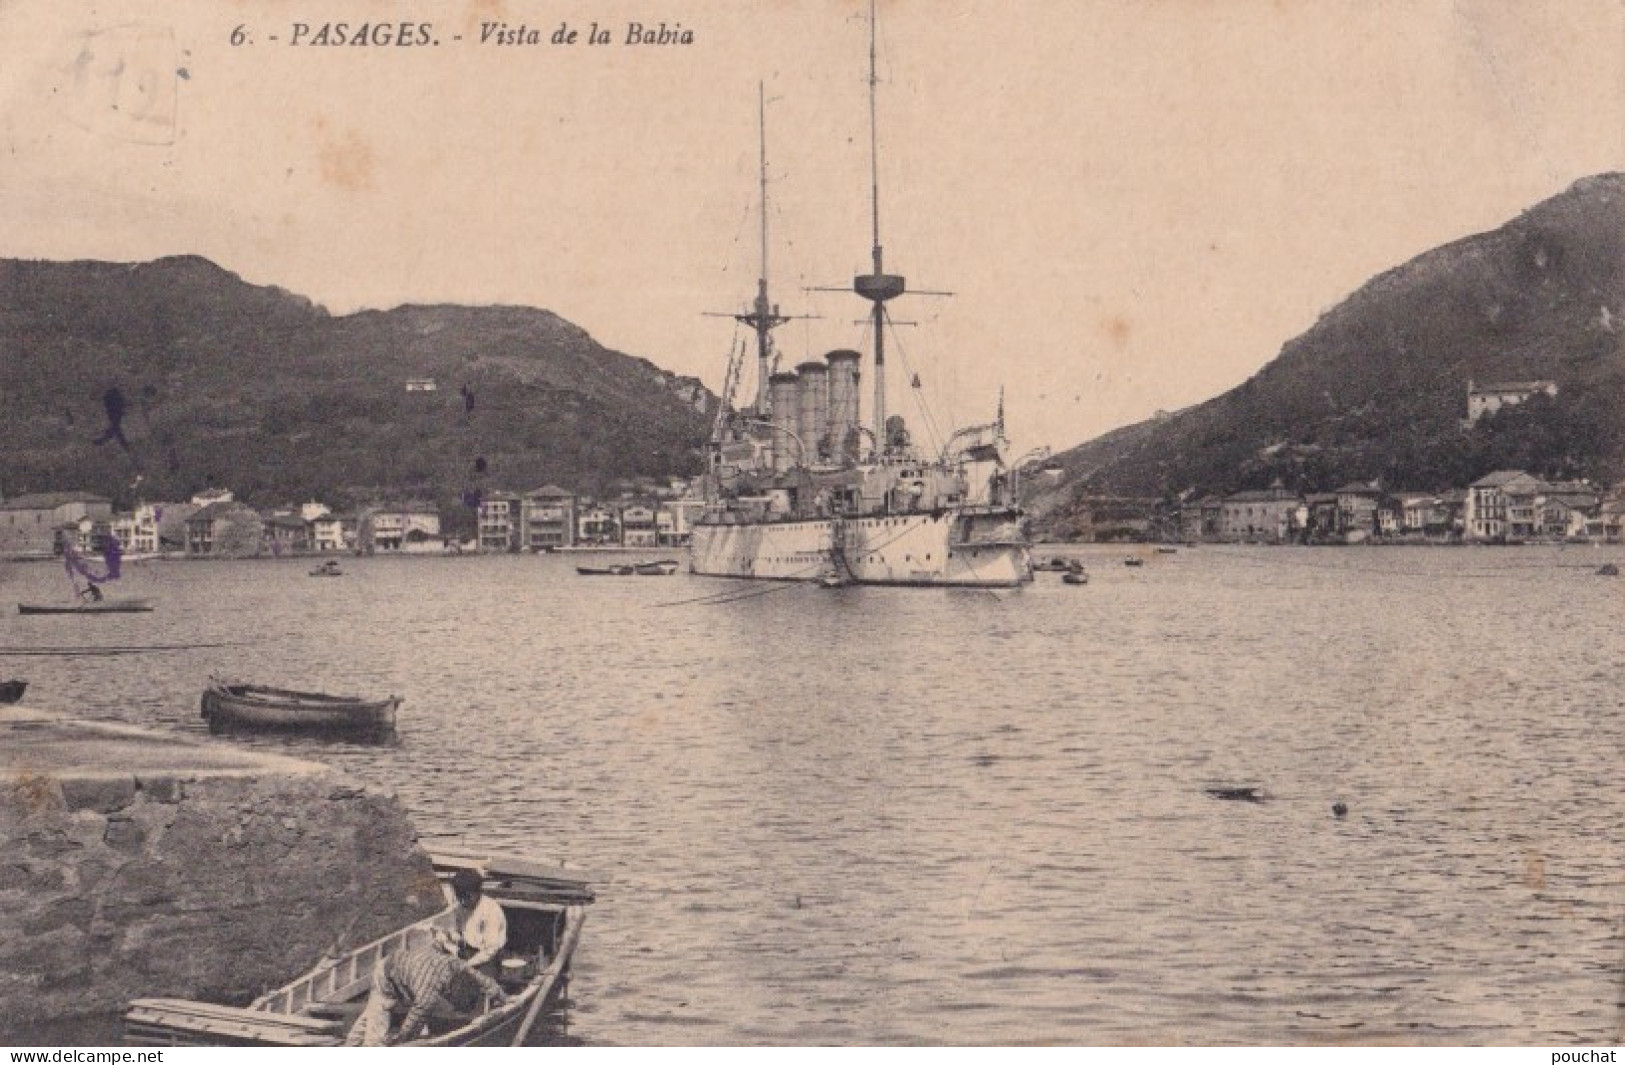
(617, 570)
(663, 568)
(95, 606)
(798, 485)
(544, 912)
(330, 568)
(254, 706)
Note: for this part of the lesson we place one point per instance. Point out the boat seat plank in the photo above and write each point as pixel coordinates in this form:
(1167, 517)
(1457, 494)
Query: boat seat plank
(175, 1019)
(209, 1011)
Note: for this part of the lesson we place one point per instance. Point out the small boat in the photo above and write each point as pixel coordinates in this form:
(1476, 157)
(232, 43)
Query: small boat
(254, 706)
(545, 911)
(1075, 574)
(663, 568)
(94, 606)
(1052, 565)
(617, 570)
(12, 690)
(330, 568)
(1134, 560)
(1165, 549)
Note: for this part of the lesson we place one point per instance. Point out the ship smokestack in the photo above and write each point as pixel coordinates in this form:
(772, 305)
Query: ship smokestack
(843, 404)
(786, 414)
(814, 396)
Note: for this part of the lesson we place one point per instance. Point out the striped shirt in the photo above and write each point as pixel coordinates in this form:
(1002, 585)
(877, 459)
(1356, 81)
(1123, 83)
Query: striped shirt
(417, 976)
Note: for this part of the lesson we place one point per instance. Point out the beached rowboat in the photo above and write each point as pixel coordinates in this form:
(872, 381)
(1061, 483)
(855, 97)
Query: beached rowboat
(226, 705)
(544, 911)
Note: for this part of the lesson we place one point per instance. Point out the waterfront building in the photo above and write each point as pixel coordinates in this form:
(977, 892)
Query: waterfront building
(225, 530)
(137, 531)
(1357, 504)
(1453, 513)
(286, 534)
(333, 532)
(1608, 524)
(413, 528)
(1266, 515)
(29, 524)
(1418, 511)
(674, 521)
(598, 526)
(638, 527)
(548, 519)
(1388, 516)
(1564, 515)
(1500, 506)
(499, 522)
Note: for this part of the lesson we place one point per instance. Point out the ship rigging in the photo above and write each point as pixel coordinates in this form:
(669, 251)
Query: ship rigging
(798, 488)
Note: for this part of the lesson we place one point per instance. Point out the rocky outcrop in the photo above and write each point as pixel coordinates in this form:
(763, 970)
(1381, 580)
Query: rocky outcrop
(197, 872)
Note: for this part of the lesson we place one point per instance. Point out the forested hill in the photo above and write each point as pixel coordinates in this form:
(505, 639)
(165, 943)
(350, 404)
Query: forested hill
(1377, 387)
(216, 382)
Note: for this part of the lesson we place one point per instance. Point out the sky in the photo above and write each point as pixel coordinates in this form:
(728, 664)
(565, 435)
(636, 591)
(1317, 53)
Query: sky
(1134, 204)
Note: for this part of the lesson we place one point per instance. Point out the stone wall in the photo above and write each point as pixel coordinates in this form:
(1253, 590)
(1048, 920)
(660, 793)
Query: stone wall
(203, 886)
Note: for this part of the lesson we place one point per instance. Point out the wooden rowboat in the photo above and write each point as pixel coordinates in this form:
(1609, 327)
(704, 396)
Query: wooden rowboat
(617, 570)
(101, 606)
(544, 911)
(663, 568)
(254, 706)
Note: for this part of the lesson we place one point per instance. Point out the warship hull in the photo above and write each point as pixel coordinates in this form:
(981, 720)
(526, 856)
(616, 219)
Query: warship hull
(950, 548)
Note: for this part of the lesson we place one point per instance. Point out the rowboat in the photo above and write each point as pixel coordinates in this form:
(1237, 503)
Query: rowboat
(98, 606)
(330, 568)
(544, 909)
(618, 570)
(1075, 575)
(256, 706)
(663, 568)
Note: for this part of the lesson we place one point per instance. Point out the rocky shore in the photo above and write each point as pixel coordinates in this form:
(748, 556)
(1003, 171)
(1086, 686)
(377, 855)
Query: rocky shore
(134, 863)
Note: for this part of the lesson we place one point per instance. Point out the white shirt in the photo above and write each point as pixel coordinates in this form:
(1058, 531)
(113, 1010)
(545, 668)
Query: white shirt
(485, 930)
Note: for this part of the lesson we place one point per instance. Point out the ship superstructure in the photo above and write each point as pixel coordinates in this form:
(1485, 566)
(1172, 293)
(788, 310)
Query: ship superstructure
(798, 487)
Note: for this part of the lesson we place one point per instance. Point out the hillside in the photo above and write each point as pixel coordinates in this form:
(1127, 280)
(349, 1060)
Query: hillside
(229, 384)
(1377, 387)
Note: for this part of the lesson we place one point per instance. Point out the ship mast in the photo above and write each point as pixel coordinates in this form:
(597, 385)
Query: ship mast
(879, 286)
(763, 317)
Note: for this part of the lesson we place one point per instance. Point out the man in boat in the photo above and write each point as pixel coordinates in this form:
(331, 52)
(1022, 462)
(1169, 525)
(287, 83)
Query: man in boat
(423, 981)
(481, 929)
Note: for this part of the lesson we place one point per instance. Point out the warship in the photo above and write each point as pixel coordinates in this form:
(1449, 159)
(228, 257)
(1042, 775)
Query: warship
(799, 488)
